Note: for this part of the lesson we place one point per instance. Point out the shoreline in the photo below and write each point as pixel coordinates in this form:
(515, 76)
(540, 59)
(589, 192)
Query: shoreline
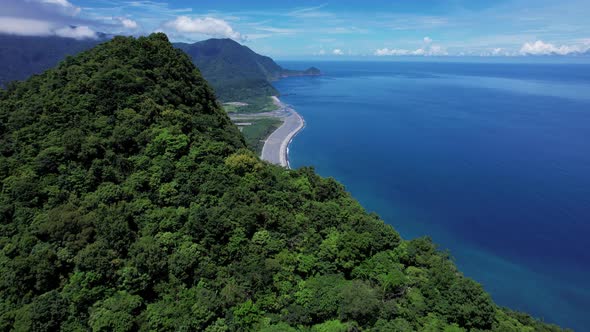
(276, 145)
(295, 133)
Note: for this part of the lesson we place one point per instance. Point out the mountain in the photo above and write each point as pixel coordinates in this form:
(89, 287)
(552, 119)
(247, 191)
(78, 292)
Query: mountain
(22, 57)
(235, 71)
(128, 203)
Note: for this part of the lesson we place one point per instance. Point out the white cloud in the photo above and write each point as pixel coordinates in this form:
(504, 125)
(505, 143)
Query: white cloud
(497, 51)
(207, 26)
(43, 18)
(64, 5)
(394, 51)
(321, 52)
(82, 32)
(337, 51)
(436, 50)
(34, 27)
(127, 23)
(427, 50)
(541, 48)
(25, 26)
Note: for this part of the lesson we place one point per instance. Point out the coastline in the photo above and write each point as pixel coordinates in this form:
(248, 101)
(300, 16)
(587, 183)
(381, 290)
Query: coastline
(276, 146)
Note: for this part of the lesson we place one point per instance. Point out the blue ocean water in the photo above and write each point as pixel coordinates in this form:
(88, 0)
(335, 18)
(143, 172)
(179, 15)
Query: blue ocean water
(490, 160)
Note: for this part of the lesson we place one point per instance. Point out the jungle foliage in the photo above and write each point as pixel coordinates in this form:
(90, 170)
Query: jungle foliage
(128, 202)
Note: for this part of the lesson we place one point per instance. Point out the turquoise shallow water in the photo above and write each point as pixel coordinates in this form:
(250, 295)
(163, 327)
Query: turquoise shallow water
(490, 160)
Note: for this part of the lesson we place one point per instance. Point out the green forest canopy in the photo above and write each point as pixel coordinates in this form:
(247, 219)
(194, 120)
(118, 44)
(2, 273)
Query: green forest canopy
(129, 202)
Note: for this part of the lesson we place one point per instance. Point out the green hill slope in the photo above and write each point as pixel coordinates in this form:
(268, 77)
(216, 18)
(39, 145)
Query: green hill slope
(127, 203)
(235, 71)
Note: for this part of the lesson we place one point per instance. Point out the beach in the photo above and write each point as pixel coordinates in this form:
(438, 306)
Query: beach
(276, 146)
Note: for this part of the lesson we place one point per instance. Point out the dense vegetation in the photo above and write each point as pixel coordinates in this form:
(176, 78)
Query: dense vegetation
(236, 72)
(128, 202)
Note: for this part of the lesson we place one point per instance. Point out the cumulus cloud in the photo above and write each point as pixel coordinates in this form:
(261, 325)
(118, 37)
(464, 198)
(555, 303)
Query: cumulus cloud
(497, 51)
(81, 32)
(428, 49)
(337, 51)
(43, 18)
(396, 51)
(207, 26)
(127, 23)
(436, 50)
(541, 48)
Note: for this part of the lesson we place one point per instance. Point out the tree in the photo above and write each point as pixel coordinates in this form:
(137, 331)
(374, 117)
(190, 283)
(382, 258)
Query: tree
(360, 303)
(46, 313)
(116, 313)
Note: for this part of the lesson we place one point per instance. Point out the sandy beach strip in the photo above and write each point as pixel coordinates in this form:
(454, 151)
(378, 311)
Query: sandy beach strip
(276, 146)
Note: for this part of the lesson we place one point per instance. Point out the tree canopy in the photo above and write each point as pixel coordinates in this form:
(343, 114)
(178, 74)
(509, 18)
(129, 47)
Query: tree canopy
(128, 202)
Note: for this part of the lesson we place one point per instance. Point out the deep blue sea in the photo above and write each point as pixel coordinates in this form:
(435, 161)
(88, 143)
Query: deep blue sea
(490, 160)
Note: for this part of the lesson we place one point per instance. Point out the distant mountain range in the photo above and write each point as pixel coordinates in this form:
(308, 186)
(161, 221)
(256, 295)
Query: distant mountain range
(235, 71)
(22, 57)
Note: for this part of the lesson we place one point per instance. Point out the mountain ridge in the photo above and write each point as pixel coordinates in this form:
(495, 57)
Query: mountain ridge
(222, 60)
(236, 72)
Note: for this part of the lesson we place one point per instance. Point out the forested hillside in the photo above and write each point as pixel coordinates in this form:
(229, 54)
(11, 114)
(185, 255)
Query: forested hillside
(235, 71)
(128, 203)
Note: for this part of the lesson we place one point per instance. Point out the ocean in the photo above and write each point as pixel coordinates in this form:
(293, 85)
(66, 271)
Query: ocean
(491, 160)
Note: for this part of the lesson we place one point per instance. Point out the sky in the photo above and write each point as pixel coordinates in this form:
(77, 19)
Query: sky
(324, 29)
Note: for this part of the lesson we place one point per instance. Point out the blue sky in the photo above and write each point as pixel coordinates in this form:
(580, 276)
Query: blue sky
(329, 29)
